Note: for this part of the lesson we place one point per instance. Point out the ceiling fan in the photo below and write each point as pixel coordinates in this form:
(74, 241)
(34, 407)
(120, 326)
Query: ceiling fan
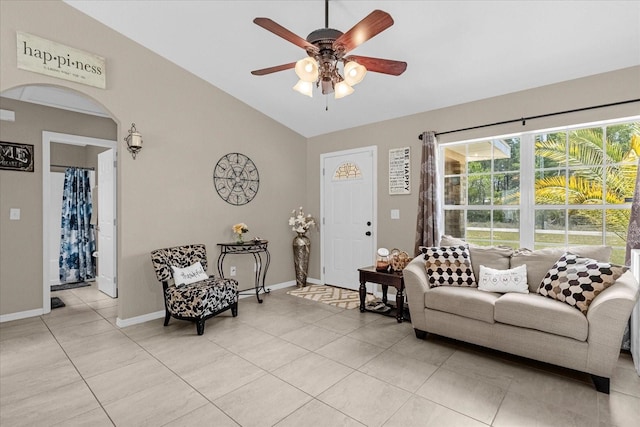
(327, 48)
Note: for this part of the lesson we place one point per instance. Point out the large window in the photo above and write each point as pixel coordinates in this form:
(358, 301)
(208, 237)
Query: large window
(571, 186)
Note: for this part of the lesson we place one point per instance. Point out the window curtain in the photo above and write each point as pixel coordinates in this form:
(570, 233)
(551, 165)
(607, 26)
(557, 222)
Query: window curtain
(633, 242)
(77, 240)
(429, 205)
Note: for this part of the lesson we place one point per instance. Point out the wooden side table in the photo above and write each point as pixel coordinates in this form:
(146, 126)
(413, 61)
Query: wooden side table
(370, 274)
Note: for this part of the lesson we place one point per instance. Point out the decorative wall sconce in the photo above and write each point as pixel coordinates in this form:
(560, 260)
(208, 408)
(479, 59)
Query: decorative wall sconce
(134, 141)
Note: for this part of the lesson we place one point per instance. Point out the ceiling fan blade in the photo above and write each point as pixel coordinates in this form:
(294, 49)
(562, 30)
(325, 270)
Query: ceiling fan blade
(372, 25)
(379, 65)
(275, 69)
(279, 30)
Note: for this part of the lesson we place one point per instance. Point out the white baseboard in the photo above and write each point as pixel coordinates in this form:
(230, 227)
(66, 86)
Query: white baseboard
(122, 323)
(21, 315)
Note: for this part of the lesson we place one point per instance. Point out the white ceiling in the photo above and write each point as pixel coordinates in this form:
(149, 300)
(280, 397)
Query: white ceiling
(457, 51)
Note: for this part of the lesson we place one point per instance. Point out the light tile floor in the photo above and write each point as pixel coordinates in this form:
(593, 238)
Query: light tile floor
(287, 362)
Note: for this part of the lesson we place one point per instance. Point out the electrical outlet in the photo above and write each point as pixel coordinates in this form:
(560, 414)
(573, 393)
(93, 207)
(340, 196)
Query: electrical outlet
(232, 271)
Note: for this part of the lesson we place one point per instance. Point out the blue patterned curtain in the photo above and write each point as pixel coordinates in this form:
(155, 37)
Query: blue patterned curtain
(77, 241)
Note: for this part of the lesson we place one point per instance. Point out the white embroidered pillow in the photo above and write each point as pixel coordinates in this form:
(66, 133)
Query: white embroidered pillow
(185, 276)
(513, 280)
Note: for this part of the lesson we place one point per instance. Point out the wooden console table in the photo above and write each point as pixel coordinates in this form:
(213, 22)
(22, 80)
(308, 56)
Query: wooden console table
(257, 248)
(370, 274)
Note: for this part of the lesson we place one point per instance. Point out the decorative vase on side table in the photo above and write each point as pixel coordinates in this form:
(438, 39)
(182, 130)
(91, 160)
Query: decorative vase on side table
(301, 249)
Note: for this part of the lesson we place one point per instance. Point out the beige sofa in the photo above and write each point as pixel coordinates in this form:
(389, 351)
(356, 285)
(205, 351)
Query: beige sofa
(526, 324)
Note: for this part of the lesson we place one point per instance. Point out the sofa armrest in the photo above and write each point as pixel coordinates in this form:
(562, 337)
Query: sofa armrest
(416, 284)
(608, 315)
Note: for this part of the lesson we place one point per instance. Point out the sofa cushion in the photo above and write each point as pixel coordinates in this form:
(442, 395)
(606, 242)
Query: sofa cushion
(448, 266)
(202, 298)
(577, 280)
(540, 261)
(497, 257)
(466, 302)
(534, 311)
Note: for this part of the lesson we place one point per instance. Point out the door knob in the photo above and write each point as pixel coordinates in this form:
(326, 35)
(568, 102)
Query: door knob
(368, 233)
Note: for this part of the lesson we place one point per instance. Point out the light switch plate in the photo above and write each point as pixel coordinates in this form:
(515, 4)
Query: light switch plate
(395, 213)
(14, 213)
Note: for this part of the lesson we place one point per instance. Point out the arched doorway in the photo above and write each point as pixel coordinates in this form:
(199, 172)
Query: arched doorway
(75, 115)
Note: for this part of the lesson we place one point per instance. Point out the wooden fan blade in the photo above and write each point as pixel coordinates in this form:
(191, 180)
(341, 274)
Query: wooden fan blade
(372, 25)
(379, 65)
(279, 30)
(275, 69)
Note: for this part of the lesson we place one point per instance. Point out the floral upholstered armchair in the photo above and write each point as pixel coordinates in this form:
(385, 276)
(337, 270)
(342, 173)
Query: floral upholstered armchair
(189, 293)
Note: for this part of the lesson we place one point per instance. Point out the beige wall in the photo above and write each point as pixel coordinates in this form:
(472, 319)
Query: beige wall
(76, 155)
(166, 196)
(605, 88)
(21, 241)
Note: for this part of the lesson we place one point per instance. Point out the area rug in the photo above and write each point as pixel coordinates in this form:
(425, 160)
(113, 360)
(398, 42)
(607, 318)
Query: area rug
(56, 303)
(69, 286)
(332, 295)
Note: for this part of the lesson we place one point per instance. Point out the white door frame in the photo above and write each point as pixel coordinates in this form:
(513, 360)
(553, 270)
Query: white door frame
(373, 149)
(106, 230)
(47, 139)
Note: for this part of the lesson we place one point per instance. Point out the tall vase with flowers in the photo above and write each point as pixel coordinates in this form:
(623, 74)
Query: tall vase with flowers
(301, 223)
(239, 230)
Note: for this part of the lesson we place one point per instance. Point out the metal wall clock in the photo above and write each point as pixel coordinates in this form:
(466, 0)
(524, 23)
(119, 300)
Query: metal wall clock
(236, 179)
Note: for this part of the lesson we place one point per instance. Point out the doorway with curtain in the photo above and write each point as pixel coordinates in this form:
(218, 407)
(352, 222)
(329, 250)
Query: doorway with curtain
(77, 234)
(72, 253)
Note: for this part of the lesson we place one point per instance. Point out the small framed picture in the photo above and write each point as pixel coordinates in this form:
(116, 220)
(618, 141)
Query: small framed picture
(16, 157)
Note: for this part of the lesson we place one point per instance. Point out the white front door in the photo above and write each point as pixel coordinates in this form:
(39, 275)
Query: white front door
(106, 223)
(348, 215)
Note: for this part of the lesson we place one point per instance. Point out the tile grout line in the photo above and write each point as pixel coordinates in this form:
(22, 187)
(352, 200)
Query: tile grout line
(174, 373)
(141, 347)
(76, 368)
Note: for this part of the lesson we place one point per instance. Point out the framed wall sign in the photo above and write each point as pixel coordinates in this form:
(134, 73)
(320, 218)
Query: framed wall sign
(400, 171)
(16, 157)
(57, 60)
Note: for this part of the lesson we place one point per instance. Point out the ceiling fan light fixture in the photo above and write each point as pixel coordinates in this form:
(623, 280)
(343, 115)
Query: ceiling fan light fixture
(305, 88)
(343, 89)
(307, 69)
(326, 49)
(354, 73)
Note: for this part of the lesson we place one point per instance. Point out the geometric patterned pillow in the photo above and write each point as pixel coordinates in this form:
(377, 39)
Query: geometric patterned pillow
(449, 266)
(576, 280)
